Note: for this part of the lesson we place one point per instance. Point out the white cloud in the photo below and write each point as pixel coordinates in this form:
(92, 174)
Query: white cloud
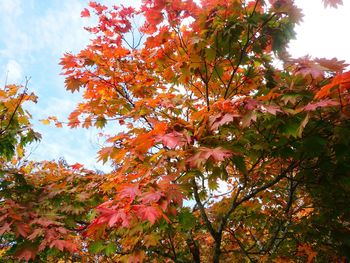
(133, 3)
(55, 106)
(74, 145)
(61, 30)
(13, 72)
(323, 33)
(53, 30)
(12, 7)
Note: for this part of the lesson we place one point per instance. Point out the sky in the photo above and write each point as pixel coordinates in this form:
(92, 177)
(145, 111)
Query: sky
(36, 33)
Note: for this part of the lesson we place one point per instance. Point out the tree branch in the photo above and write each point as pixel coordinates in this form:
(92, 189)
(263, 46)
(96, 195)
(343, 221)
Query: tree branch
(202, 210)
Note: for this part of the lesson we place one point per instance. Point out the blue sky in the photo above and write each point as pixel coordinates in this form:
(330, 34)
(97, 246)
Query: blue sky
(36, 33)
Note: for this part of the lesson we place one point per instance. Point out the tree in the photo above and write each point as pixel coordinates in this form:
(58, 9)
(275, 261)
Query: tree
(205, 115)
(15, 128)
(44, 206)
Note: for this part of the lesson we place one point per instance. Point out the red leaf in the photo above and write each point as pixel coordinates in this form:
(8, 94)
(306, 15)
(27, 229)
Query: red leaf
(5, 228)
(332, 3)
(217, 155)
(63, 244)
(271, 109)
(98, 7)
(332, 64)
(251, 104)
(320, 104)
(174, 139)
(44, 222)
(172, 192)
(151, 197)
(85, 13)
(221, 119)
(37, 232)
(149, 213)
(77, 166)
(26, 253)
(119, 217)
(129, 191)
(22, 229)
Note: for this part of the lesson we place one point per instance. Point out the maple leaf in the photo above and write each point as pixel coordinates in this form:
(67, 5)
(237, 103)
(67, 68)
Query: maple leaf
(73, 84)
(306, 249)
(26, 253)
(320, 104)
(332, 3)
(149, 213)
(332, 64)
(22, 229)
(63, 244)
(85, 13)
(221, 119)
(77, 166)
(98, 7)
(172, 191)
(45, 222)
(272, 109)
(271, 95)
(106, 153)
(45, 121)
(174, 139)
(129, 191)
(203, 154)
(251, 104)
(307, 66)
(151, 240)
(119, 216)
(248, 118)
(342, 80)
(37, 232)
(136, 257)
(150, 197)
(5, 228)
(109, 216)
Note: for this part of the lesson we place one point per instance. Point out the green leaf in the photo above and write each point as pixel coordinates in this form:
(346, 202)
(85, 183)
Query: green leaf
(186, 220)
(110, 249)
(218, 71)
(295, 127)
(96, 247)
(238, 161)
(210, 54)
(100, 122)
(213, 179)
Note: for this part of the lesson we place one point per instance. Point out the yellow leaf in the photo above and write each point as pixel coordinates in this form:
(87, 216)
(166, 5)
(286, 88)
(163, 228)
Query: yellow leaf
(45, 122)
(19, 150)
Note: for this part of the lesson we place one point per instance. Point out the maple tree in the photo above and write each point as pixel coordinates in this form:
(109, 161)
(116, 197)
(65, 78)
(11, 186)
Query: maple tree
(15, 128)
(44, 205)
(258, 152)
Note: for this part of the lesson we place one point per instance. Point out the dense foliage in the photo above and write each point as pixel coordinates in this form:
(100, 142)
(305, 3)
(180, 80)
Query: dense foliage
(228, 149)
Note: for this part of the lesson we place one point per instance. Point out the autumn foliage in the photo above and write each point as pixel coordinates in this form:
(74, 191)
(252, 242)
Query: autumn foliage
(217, 153)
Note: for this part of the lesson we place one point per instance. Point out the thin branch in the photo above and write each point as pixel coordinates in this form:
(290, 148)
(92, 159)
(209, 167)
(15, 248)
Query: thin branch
(236, 203)
(243, 52)
(16, 108)
(202, 210)
(245, 252)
